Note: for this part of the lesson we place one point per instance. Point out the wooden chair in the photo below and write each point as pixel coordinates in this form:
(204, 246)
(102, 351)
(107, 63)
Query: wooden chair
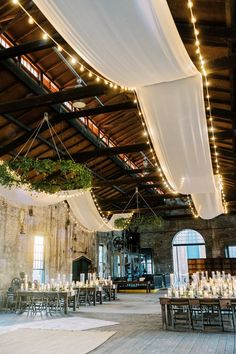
(180, 313)
(226, 314)
(233, 308)
(211, 313)
(11, 300)
(196, 314)
(38, 304)
(53, 304)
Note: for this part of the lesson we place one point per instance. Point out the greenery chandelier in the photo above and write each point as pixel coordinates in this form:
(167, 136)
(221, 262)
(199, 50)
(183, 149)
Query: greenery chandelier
(44, 175)
(136, 221)
(51, 176)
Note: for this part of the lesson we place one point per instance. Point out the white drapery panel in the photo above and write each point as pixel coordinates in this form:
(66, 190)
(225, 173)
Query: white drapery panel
(135, 43)
(175, 115)
(21, 196)
(209, 203)
(81, 203)
(86, 212)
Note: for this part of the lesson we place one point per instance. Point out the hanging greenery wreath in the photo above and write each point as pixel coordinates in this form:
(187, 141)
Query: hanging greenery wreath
(135, 222)
(52, 176)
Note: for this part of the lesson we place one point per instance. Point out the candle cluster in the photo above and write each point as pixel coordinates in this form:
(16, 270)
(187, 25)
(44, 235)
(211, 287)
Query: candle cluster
(64, 283)
(92, 281)
(201, 285)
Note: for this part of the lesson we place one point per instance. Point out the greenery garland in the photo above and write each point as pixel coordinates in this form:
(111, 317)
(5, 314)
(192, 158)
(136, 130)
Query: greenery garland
(52, 176)
(135, 222)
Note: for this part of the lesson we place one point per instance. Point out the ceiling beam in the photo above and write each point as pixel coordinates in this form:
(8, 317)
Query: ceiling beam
(29, 47)
(125, 180)
(9, 148)
(108, 151)
(140, 170)
(222, 113)
(99, 110)
(225, 153)
(52, 98)
(80, 128)
(146, 210)
(57, 119)
(208, 32)
(222, 63)
(226, 134)
(24, 137)
(158, 198)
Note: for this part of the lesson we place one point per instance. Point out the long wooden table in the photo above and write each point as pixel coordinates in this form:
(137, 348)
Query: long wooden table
(166, 302)
(65, 295)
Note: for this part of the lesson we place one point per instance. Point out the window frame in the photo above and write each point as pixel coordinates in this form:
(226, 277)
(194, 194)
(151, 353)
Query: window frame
(39, 259)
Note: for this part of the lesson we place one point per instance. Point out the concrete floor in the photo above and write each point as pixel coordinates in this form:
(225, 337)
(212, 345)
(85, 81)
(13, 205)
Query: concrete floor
(140, 329)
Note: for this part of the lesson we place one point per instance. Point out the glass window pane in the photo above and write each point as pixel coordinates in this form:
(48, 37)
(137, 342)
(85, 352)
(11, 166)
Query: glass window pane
(188, 236)
(232, 251)
(38, 259)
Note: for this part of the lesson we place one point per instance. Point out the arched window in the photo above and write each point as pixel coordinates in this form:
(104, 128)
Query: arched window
(186, 244)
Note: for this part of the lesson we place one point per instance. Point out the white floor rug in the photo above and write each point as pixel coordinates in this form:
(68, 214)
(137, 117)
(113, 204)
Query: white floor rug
(66, 324)
(35, 341)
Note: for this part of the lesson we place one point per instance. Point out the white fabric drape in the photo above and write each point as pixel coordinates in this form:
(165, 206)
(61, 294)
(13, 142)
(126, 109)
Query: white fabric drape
(21, 196)
(86, 212)
(208, 203)
(81, 203)
(83, 207)
(176, 122)
(135, 43)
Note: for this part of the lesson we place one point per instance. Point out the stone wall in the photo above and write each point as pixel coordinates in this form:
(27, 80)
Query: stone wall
(64, 241)
(217, 233)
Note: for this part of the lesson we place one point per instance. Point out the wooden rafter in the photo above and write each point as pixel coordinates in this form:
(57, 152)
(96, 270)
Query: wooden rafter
(51, 98)
(28, 47)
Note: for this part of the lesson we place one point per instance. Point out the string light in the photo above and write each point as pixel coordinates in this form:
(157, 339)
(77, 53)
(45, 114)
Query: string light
(208, 104)
(98, 78)
(72, 59)
(45, 36)
(154, 158)
(191, 207)
(105, 220)
(74, 220)
(31, 20)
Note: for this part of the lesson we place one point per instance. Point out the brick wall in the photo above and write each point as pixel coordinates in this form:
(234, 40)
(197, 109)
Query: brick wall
(217, 233)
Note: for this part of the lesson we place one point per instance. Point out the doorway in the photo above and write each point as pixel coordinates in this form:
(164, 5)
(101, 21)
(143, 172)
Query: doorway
(81, 265)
